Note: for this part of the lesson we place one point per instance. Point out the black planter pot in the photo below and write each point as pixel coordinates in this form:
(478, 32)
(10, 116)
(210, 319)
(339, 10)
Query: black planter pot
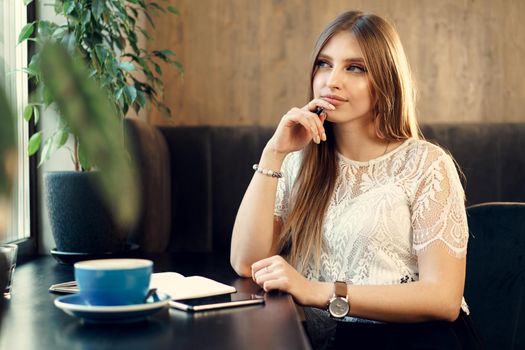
(80, 221)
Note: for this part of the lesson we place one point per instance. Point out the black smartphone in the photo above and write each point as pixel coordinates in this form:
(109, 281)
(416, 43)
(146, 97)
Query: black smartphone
(217, 302)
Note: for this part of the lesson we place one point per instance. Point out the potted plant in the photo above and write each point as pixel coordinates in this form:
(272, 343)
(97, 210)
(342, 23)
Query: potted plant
(92, 70)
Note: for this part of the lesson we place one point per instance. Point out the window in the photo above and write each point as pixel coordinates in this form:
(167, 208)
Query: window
(13, 58)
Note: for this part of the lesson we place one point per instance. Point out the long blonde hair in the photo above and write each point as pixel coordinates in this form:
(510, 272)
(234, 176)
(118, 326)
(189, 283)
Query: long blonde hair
(394, 113)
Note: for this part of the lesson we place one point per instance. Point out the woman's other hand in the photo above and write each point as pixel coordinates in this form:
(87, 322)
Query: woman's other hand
(300, 126)
(274, 273)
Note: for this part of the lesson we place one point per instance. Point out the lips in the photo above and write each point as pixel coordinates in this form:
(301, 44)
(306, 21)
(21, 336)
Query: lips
(334, 99)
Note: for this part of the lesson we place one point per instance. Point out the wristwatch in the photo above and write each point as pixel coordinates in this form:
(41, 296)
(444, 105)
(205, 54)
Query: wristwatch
(339, 306)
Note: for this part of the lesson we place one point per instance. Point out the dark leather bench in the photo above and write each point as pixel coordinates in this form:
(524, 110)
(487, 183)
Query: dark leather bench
(195, 177)
(495, 285)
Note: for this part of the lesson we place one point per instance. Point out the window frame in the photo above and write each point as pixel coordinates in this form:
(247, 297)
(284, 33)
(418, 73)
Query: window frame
(28, 246)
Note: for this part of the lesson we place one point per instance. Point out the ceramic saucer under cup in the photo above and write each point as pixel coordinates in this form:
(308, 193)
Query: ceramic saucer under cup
(75, 305)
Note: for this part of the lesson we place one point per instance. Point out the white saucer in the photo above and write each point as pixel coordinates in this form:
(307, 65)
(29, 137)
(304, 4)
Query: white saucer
(75, 305)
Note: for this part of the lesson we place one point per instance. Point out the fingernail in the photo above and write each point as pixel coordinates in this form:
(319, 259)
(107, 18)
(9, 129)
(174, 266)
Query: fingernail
(324, 136)
(332, 106)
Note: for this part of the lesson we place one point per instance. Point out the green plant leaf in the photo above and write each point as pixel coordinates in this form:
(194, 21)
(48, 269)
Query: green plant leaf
(69, 41)
(97, 8)
(158, 81)
(145, 33)
(36, 110)
(150, 20)
(46, 96)
(46, 28)
(33, 68)
(127, 66)
(26, 32)
(69, 6)
(134, 11)
(165, 109)
(179, 67)
(132, 37)
(131, 93)
(60, 138)
(173, 10)
(28, 112)
(112, 67)
(46, 151)
(157, 7)
(167, 52)
(34, 143)
(145, 68)
(59, 32)
(86, 18)
(158, 69)
(118, 94)
(83, 158)
(101, 53)
(141, 99)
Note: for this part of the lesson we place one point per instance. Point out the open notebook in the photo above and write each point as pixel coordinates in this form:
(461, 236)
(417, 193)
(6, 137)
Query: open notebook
(172, 283)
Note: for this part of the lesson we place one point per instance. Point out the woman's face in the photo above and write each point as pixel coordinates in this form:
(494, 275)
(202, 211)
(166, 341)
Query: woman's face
(342, 79)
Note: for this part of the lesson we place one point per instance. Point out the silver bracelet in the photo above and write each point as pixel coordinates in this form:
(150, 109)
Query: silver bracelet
(267, 172)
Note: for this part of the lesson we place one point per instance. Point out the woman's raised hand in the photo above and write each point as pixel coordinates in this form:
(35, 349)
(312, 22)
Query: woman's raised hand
(300, 126)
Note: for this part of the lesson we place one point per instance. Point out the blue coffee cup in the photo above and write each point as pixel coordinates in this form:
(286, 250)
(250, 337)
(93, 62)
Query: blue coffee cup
(110, 282)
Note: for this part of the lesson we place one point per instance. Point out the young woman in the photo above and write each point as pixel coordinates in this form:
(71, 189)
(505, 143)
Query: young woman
(350, 211)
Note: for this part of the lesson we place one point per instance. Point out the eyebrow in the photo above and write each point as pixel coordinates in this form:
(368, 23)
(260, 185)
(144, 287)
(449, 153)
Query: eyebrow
(352, 59)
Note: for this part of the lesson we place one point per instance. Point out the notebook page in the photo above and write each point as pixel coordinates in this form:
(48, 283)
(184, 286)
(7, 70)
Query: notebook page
(180, 287)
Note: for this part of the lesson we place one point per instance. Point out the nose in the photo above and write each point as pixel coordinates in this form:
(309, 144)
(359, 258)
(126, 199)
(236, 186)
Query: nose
(334, 80)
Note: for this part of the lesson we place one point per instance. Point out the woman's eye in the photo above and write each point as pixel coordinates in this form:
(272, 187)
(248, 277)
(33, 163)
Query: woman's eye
(356, 69)
(322, 64)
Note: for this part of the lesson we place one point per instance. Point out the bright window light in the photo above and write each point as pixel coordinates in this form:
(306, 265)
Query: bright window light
(13, 58)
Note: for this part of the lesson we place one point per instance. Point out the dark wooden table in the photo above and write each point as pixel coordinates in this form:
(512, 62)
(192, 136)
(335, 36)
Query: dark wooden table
(31, 320)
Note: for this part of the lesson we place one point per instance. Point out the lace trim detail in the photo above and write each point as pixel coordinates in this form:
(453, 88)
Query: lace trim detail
(455, 252)
(378, 159)
(438, 209)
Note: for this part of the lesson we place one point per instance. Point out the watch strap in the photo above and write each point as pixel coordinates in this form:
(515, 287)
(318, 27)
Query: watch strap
(341, 289)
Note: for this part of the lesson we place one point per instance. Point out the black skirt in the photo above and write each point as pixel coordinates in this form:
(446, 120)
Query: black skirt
(460, 334)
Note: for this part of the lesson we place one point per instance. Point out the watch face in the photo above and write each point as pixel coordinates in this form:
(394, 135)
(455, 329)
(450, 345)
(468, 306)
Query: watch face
(339, 308)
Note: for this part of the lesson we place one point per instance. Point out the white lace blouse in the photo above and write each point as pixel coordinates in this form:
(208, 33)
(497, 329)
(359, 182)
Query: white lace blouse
(384, 212)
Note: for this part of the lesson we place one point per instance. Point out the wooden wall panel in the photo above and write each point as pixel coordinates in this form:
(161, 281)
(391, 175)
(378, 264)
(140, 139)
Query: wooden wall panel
(246, 61)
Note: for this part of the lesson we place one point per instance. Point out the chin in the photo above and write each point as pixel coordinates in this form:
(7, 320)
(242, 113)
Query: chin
(335, 117)
(341, 117)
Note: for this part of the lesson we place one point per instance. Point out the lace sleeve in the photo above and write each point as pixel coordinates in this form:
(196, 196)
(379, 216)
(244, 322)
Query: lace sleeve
(282, 197)
(438, 208)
